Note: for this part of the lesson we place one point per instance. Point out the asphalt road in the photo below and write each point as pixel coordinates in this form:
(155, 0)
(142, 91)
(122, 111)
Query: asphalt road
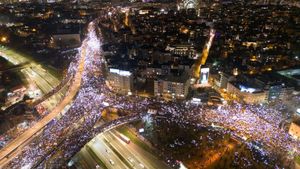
(15, 146)
(106, 154)
(34, 73)
(135, 156)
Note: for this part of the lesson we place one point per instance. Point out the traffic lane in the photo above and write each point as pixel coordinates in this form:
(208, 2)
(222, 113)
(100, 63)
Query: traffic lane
(145, 157)
(86, 159)
(106, 154)
(109, 154)
(121, 147)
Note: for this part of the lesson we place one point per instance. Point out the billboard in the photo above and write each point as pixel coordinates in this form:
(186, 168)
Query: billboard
(204, 74)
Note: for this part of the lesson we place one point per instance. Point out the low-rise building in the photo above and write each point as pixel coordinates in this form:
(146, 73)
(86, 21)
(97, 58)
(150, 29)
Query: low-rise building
(258, 89)
(65, 41)
(172, 86)
(247, 94)
(182, 50)
(120, 80)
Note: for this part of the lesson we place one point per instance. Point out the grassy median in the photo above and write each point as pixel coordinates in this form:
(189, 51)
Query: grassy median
(131, 135)
(95, 157)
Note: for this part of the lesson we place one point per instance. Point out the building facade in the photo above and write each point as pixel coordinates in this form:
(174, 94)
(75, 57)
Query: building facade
(183, 50)
(171, 89)
(121, 81)
(249, 96)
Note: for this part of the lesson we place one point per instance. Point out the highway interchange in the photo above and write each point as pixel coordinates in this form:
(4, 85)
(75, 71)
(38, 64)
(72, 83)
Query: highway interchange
(35, 74)
(115, 153)
(61, 138)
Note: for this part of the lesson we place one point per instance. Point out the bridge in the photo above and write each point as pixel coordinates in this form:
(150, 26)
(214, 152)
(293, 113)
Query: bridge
(95, 131)
(13, 148)
(65, 82)
(15, 67)
(59, 141)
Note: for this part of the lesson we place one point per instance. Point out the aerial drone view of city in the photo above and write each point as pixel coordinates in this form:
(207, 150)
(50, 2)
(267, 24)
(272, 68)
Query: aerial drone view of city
(150, 84)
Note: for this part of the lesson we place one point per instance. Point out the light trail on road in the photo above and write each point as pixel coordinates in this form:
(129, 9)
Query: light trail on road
(62, 138)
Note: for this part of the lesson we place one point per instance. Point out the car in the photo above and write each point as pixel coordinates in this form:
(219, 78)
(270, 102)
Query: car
(111, 162)
(130, 160)
(141, 165)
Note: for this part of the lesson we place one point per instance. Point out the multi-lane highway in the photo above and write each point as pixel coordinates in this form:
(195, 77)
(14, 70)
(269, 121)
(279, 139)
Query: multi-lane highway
(246, 119)
(106, 154)
(136, 156)
(105, 145)
(35, 74)
(15, 146)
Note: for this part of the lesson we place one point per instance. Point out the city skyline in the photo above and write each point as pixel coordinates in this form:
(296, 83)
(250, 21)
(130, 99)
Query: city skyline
(150, 84)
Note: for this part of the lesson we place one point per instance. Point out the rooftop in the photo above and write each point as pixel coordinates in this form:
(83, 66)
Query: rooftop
(178, 76)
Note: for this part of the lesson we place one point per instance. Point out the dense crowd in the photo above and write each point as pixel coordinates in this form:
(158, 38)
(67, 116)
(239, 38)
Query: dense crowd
(69, 133)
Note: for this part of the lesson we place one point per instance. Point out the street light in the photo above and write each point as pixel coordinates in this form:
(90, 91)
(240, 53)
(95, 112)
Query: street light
(3, 39)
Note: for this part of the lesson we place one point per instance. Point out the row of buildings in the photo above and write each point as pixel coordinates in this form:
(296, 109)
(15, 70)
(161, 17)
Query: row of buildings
(171, 86)
(260, 88)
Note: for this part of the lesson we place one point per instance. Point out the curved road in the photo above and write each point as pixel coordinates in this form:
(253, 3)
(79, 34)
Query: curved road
(8, 152)
(232, 116)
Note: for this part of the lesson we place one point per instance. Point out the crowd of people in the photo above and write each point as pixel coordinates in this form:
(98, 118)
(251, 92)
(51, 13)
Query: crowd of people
(66, 135)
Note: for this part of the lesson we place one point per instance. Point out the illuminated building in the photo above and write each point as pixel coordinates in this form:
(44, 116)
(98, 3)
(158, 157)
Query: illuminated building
(247, 94)
(223, 80)
(258, 89)
(190, 4)
(65, 41)
(182, 50)
(120, 80)
(204, 75)
(292, 74)
(172, 87)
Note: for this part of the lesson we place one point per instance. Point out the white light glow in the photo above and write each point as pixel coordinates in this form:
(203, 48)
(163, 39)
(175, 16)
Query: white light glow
(247, 89)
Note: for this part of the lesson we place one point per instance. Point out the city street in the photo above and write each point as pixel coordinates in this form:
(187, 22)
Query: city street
(104, 146)
(130, 151)
(18, 143)
(35, 74)
(249, 122)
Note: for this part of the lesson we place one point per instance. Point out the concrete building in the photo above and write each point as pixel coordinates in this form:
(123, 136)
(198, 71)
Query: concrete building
(182, 50)
(292, 74)
(258, 89)
(120, 80)
(247, 94)
(172, 87)
(224, 80)
(65, 41)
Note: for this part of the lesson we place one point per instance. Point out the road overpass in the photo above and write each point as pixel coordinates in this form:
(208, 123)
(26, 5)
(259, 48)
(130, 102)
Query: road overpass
(14, 147)
(77, 129)
(15, 67)
(35, 74)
